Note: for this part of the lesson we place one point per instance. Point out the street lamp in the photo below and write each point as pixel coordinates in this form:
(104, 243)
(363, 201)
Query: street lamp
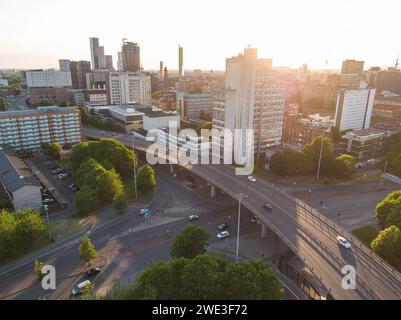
(133, 150)
(320, 158)
(48, 221)
(240, 197)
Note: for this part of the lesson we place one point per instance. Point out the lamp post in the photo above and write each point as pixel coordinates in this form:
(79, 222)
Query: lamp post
(320, 158)
(241, 196)
(133, 150)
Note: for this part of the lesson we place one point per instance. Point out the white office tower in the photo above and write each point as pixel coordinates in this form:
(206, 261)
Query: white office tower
(48, 78)
(354, 109)
(254, 99)
(130, 88)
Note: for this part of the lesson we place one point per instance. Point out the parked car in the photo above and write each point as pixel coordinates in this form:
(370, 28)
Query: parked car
(193, 217)
(222, 235)
(92, 272)
(223, 226)
(142, 211)
(267, 206)
(73, 187)
(251, 179)
(254, 219)
(57, 171)
(61, 176)
(77, 290)
(48, 200)
(344, 242)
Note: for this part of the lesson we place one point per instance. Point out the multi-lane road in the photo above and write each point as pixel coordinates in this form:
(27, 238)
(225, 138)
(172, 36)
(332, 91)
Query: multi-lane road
(309, 235)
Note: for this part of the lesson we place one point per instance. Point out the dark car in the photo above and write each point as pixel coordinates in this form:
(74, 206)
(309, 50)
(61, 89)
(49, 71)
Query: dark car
(73, 187)
(267, 206)
(223, 226)
(92, 272)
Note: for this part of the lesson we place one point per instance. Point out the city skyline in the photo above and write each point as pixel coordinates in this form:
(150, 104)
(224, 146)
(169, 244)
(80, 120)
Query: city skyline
(329, 31)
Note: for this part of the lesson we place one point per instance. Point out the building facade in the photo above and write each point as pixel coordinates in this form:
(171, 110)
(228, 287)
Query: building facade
(28, 129)
(130, 56)
(98, 59)
(254, 99)
(354, 109)
(48, 78)
(130, 88)
(193, 105)
(180, 61)
(352, 67)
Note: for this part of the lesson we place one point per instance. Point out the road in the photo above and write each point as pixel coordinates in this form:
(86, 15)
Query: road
(128, 247)
(314, 242)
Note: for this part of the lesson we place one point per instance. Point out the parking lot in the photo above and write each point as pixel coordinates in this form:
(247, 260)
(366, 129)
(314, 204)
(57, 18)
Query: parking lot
(57, 180)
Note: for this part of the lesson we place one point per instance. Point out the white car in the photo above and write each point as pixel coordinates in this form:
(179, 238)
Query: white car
(344, 242)
(48, 200)
(251, 179)
(142, 211)
(62, 176)
(222, 235)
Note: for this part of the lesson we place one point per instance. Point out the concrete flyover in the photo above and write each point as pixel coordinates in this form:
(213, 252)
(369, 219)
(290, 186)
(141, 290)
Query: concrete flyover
(308, 233)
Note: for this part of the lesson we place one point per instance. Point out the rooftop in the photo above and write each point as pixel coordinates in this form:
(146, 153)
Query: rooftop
(38, 111)
(14, 172)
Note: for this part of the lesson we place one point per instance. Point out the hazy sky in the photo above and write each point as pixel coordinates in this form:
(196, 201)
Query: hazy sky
(36, 33)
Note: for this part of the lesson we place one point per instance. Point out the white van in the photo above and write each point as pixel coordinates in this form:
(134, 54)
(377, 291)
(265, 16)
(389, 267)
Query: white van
(78, 288)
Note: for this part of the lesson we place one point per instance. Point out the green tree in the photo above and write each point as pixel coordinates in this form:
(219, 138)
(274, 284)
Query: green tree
(86, 200)
(388, 246)
(290, 163)
(109, 186)
(54, 150)
(38, 269)
(87, 250)
(45, 103)
(312, 152)
(146, 181)
(344, 166)
(251, 280)
(190, 242)
(388, 210)
(120, 201)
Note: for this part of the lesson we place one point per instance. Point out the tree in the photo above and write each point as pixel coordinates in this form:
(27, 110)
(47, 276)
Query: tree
(146, 181)
(86, 200)
(251, 280)
(54, 150)
(290, 163)
(388, 246)
(87, 250)
(190, 242)
(315, 103)
(120, 201)
(20, 231)
(38, 269)
(344, 166)
(109, 186)
(312, 152)
(388, 210)
(45, 103)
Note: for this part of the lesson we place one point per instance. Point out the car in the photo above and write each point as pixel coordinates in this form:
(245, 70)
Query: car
(114, 134)
(48, 200)
(222, 235)
(267, 206)
(77, 290)
(92, 272)
(254, 219)
(344, 242)
(62, 176)
(223, 226)
(73, 187)
(251, 179)
(193, 217)
(142, 211)
(57, 171)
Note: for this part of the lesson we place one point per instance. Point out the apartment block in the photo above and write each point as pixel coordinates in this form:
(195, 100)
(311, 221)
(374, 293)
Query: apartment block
(130, 88)
(192, 105)
(27, 129)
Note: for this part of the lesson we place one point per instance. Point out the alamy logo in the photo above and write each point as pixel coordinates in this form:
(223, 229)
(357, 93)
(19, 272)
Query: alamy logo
(49, 277)
(349, 280)
(211, 147)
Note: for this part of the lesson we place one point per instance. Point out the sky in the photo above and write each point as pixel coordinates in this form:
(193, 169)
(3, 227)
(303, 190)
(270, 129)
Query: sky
(36, 33)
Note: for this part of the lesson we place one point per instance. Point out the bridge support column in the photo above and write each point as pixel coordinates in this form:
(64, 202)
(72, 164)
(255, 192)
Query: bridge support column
(212, 191)
(264, 232)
